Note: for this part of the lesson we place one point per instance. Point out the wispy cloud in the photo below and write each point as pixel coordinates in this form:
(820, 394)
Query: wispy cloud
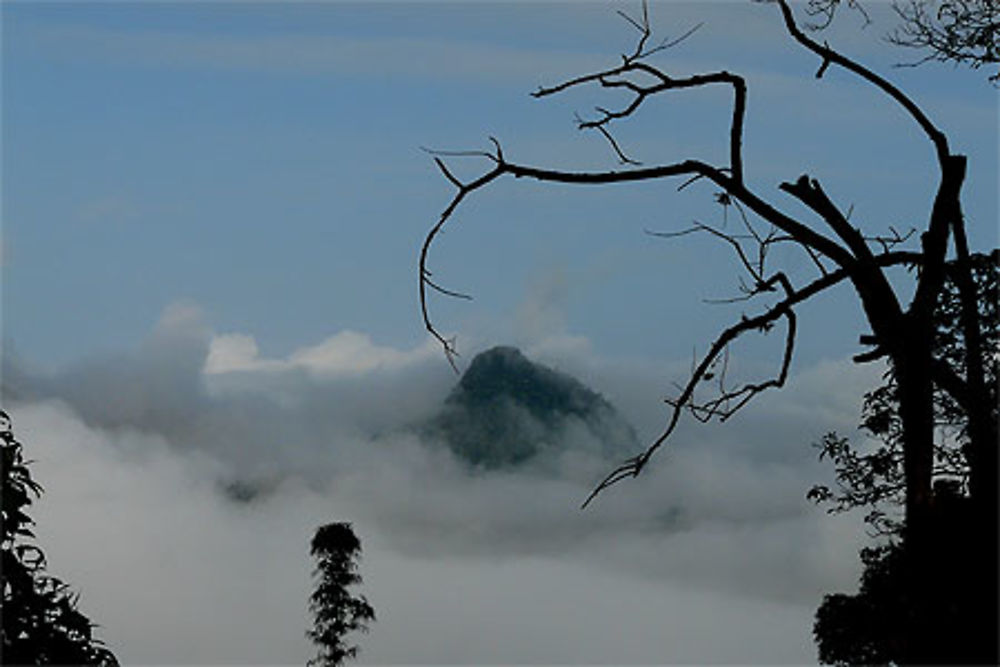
(311, 54)
(110, 209)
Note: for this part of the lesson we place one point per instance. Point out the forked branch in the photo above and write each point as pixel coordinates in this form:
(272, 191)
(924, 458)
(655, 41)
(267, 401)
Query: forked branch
(729, 401)
(829, 56)
(448, 344)
(633, 66)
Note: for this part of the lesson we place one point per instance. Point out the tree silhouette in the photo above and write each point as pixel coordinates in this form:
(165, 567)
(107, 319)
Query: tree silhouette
(874, 626)
(956, 31)
(900, 316)
(337, 612)
(865, 627)
(962, 32)
(41, 622)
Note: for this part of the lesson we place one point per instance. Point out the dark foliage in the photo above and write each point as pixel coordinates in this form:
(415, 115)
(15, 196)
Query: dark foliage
(871, 625)
(962, 32)
(337, 612)
(41, 622)
(874, 625)
(858, 629)
(875, 480)
(957, 31)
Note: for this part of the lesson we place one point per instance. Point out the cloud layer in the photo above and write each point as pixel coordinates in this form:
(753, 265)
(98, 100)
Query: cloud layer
(713, 556)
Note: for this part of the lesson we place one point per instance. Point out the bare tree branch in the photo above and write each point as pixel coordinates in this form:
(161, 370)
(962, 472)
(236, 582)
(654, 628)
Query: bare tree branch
(728, 402)
(958, 31)
(611, 79)
(847, 255)
(841, 252)
(463, 190)
(936, 136)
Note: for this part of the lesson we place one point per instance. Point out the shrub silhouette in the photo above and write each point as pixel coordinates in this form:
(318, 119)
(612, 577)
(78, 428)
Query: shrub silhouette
(337, 612)
(41, 622)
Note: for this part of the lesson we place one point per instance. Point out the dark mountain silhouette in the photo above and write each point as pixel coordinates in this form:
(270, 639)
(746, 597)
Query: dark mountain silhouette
(507, 410)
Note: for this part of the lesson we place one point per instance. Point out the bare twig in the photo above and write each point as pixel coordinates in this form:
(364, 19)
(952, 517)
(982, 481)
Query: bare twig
(826, 9)
(616, 77)
(448, 344)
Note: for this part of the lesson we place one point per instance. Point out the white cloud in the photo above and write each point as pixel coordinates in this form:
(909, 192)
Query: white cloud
(712, 554)
(350, 352)
(234, 352)
(346, 353)
(462, 570)
(171, 574)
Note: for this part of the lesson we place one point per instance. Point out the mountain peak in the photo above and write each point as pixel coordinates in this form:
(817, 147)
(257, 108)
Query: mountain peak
(507, 409)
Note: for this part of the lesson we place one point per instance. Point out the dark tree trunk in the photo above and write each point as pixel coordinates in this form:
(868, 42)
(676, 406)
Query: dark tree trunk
(915, 393)
(983, 463)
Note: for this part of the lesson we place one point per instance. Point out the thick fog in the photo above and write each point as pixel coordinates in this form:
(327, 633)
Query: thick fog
(184, 479)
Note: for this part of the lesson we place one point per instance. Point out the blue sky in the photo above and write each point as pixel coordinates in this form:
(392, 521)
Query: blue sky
(212, 214)
(262, 161)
